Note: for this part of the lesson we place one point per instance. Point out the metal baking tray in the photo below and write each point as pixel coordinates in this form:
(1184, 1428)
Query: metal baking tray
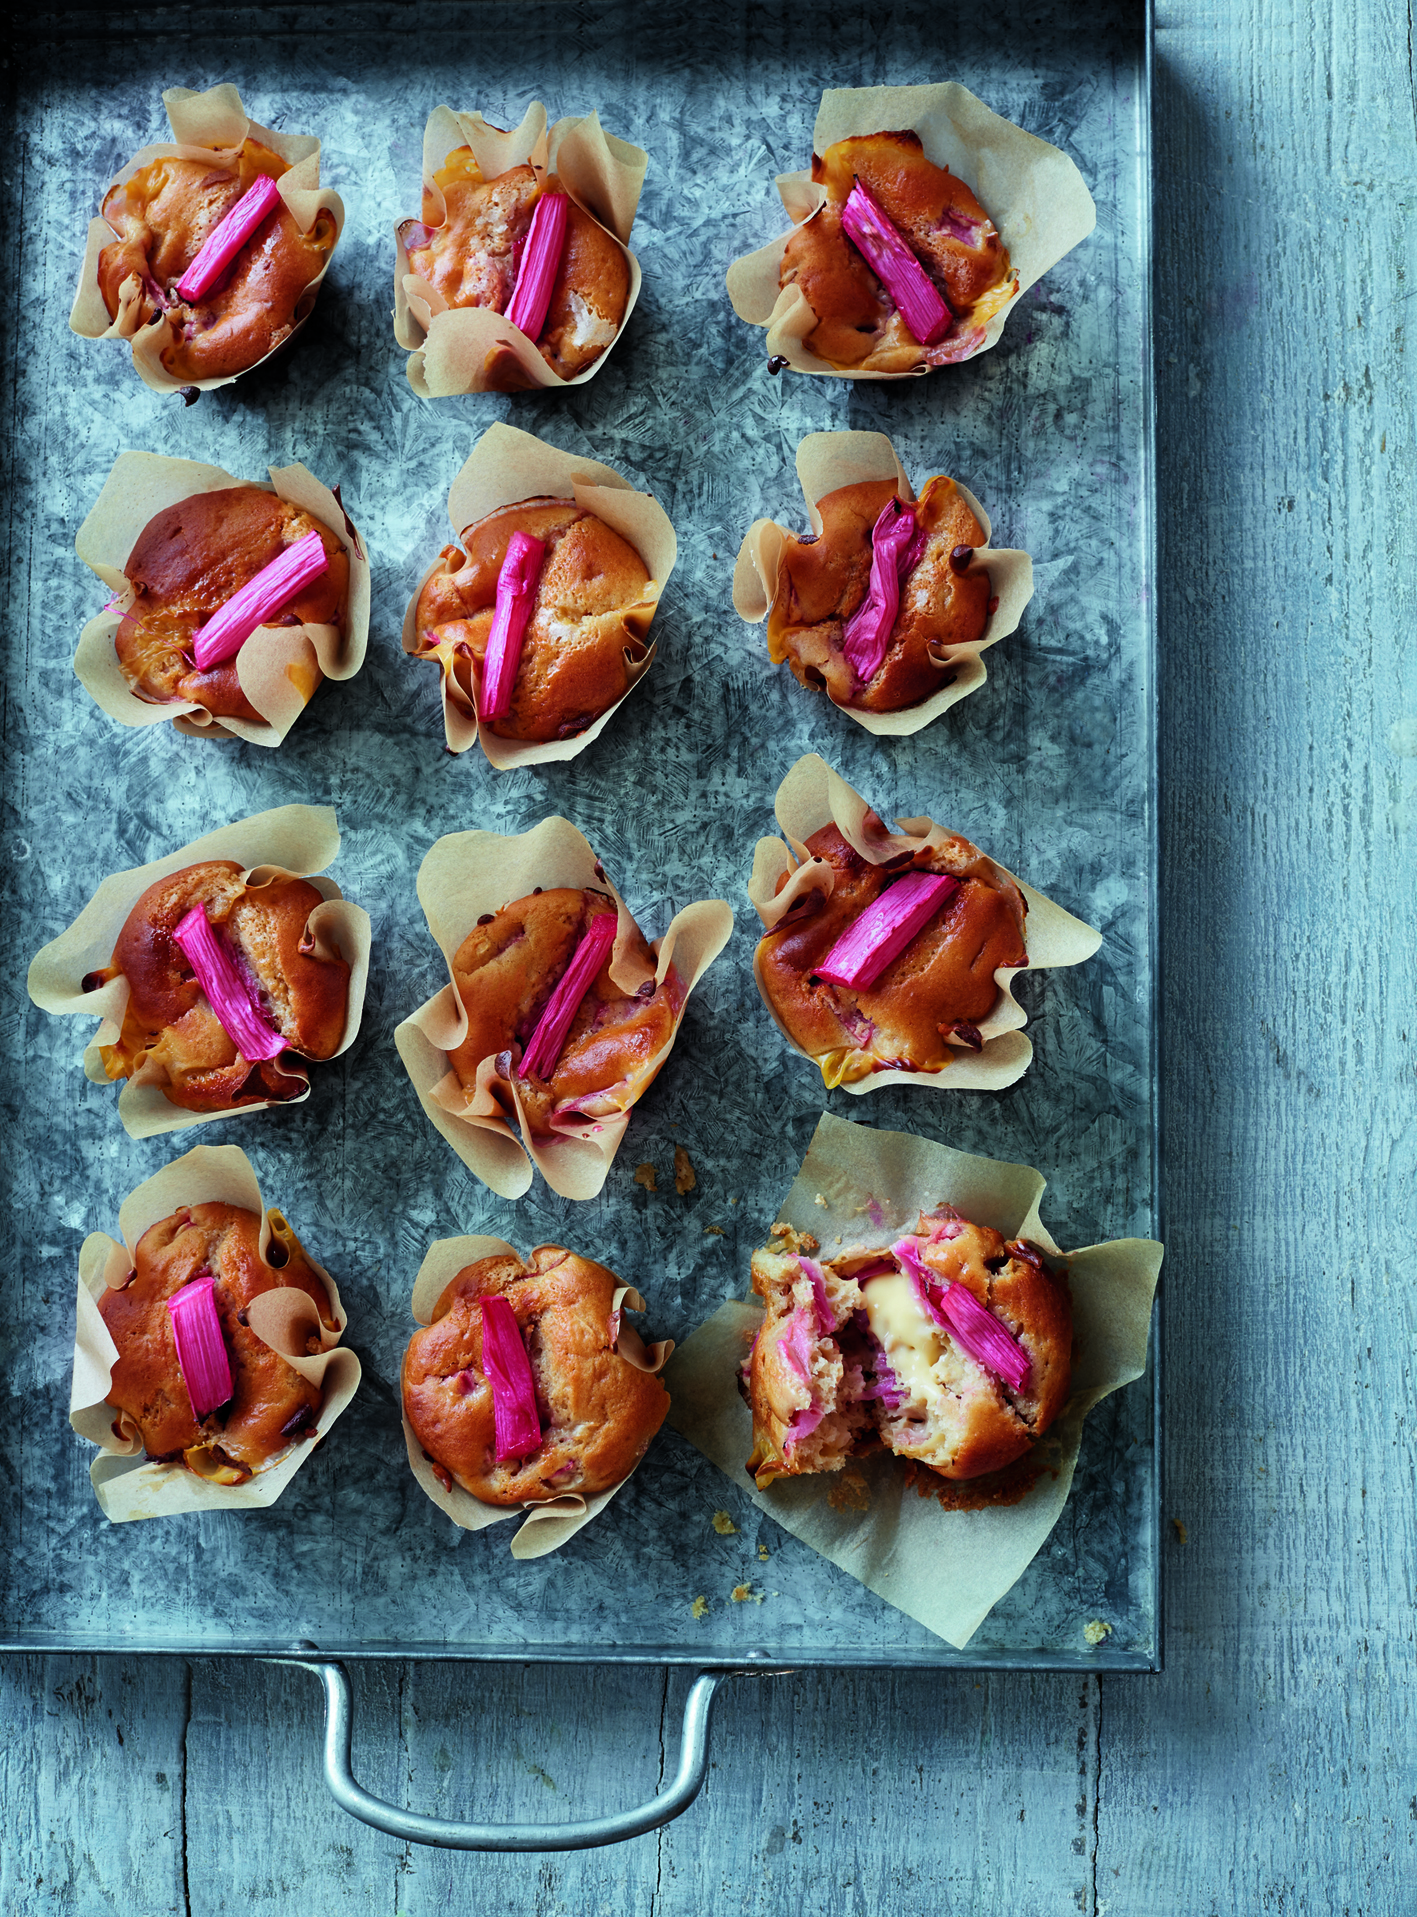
(1051, 767)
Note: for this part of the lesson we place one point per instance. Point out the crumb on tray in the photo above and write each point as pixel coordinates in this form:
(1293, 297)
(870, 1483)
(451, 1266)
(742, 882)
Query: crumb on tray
(1180, 1530)
(724, 1525)
(699, 1607)
(713, 1231)
(1096, 1631)
(745, 1594)
(645, 1175)
(685, 1177)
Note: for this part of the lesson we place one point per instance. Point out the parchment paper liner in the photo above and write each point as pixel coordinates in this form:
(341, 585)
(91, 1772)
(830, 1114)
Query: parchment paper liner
(505, 467)
(466, 874)
(603, 175)
(206, 126)
(1032, 192)
(946, 1569)
(813, 795)
(551, 1523)
(293, 841)
(282, 1318)
(828, 461)
(278, 666)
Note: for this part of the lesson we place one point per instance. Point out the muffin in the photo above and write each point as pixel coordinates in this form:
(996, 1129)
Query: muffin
(184, 566)
(943, 226)
(296, 992)
(952, 1347)
(596, 1412)
(585, 642)
(931, 999)
(272, 1408)
(945, 600)
(162, 214)
(505, 972)
(473, 257)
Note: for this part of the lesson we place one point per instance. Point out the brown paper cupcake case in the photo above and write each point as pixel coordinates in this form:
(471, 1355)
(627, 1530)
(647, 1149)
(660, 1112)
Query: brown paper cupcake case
(464, 875)
(282, 1318)
(1031, 191)
(292, 841)
(813, 795)
(828, 461)
(279, 667)
(551, 1524)
(449, 346)
(201, 124)
(856, 1190)
(505, 467)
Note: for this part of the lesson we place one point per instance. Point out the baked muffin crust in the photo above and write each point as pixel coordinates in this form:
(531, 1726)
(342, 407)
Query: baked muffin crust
(272, 1407)
(505, 971)
(186, 563)
(931, 998)
(587, 629)
(168, 1019)
(598, 1412)
(822, 580)
(163, 216)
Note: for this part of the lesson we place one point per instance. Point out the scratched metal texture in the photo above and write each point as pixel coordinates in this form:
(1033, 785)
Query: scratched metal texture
(1049, 767)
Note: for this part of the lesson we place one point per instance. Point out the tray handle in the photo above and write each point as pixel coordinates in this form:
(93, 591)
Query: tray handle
(586, 1835)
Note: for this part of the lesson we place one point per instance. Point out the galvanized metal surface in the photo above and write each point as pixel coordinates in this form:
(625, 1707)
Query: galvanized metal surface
(1049, 767)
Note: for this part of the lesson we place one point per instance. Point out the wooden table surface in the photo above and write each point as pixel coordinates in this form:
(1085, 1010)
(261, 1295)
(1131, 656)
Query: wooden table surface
(1271, 1767)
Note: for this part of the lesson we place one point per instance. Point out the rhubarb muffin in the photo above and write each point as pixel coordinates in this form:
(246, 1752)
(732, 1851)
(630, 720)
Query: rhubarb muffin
(192, 1379)
(870, 610)
(900, 262)
(190, 561)
(951, 1347)
(208, 249)
(534, 980)
(520, 245)
(228, 991)
(542, 622)
(516, 1390)
(896, 968)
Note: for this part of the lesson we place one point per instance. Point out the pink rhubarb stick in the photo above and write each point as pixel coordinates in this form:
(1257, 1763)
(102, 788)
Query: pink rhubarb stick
(548, 1040)
(273, 588)
(201, 1350)
(885, 928)
(229, 994)
(516, 596)
(917, 299)
(973, 1328)
(228, 237)
(867, 633)
(541, 257)
(514, 1414)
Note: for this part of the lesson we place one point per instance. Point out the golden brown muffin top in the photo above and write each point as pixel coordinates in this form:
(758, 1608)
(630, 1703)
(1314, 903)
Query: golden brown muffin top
(187, 562)
(941, 985)
(588, 625)
(168, 1019)
(941, 222)
(823, 579)
(598, 1412)
(505, 971)
(272, 1407)
(164, 215)
(473, 258)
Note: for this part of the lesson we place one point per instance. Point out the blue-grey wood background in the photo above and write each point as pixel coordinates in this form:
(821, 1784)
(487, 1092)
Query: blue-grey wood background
(1271, 1766)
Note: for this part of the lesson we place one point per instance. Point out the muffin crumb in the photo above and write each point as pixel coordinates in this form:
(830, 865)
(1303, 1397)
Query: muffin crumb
(724, 1525)
(685, 1177)
(713, 1231)
(699, 1607)
(745, 1594)
(1180, 1530)
(1096, 1631)
(645, 1175)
